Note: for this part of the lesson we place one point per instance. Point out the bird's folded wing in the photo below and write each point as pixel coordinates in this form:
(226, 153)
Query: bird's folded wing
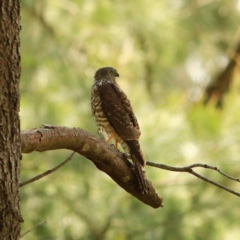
(117, 108)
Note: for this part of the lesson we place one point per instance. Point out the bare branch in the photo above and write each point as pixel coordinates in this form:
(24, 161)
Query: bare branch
(189, 170)
(105, 157)
(186, 168)
(47, 172)
(35, 226)
(214, 183)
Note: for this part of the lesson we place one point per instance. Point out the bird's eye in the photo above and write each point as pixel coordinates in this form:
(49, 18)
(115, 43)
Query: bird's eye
(110, 71)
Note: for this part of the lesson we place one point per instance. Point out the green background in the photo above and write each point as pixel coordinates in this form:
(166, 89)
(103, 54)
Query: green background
(166, 52)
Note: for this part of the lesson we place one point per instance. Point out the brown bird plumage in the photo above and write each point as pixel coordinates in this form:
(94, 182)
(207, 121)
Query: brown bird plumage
(115, 117)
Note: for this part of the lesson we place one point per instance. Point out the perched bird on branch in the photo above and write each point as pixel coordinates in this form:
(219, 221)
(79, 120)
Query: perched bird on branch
(115, 118)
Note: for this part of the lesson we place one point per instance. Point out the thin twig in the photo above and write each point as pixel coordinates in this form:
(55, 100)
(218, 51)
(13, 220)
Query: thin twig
(189, 170)
(228, 176)
(214, 183)
(186, 168)
(35, 226)
(47, 172)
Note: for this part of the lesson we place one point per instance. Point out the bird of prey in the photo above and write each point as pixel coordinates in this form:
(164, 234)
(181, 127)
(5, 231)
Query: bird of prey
(115, 118)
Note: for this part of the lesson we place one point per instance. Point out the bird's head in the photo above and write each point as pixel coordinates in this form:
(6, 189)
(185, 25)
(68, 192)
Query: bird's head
(106, 74)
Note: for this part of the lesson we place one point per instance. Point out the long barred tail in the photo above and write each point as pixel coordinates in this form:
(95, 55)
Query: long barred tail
(139, 163)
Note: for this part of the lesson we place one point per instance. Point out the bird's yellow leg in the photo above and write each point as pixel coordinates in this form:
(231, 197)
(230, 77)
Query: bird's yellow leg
(110, 137)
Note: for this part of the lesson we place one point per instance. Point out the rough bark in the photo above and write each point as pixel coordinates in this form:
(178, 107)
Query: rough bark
(10, 145)
(105, 157)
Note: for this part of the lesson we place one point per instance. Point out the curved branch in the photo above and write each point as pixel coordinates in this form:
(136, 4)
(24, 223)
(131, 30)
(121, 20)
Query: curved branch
(189, 170)
(105, 157)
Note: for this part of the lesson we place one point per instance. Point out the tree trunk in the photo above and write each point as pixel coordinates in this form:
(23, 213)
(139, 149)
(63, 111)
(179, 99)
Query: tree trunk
(10, 147)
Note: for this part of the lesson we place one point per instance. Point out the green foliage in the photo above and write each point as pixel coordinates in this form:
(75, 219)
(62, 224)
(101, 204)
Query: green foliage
(165, 52)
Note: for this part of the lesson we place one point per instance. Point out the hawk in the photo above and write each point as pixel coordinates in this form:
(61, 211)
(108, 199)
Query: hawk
(115, 118)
